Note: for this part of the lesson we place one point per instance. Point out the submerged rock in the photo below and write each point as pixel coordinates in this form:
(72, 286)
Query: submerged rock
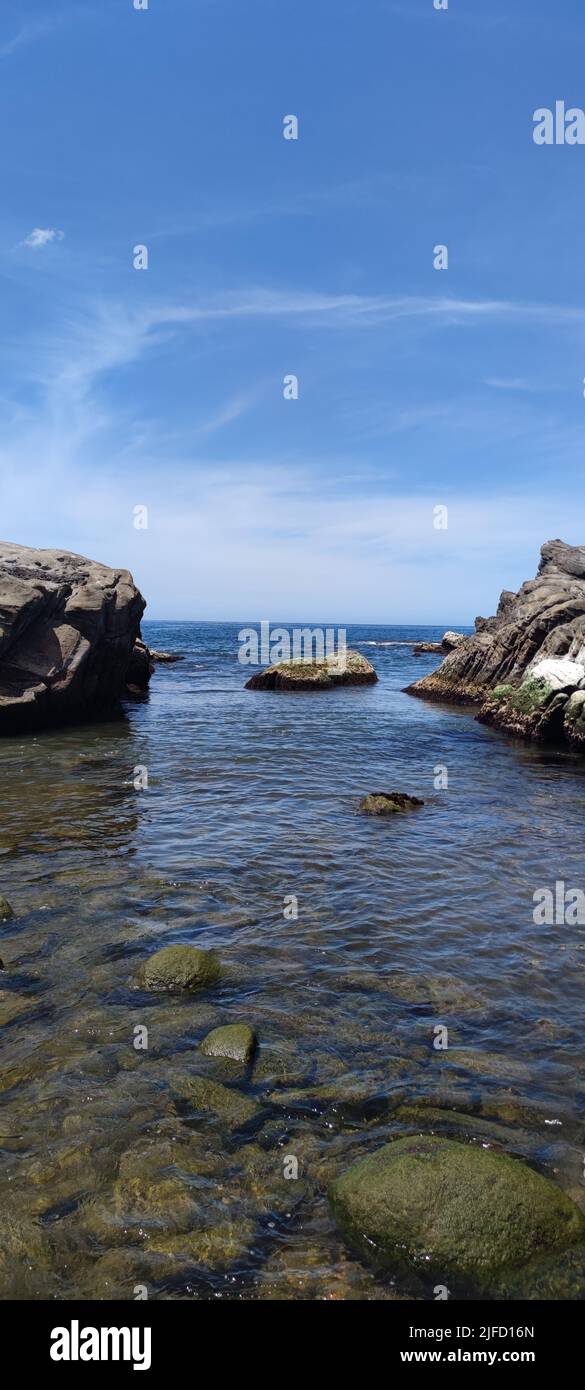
(232, 1108)
(388, 803)
(440, 1208)
(6, 910)
(178, 968)
(234, 1040)
(67, 633)
(13, 1006)
(524, 666)
(25, 1255)
(344, 668)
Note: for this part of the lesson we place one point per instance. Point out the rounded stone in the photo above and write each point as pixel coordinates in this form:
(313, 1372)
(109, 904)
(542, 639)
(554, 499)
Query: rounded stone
(443, 1208)
(234, 1040)
(176, 968)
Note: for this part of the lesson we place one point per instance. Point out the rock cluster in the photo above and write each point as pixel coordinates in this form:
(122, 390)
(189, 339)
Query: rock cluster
(69, 638)
(525, 667)
(448, 641)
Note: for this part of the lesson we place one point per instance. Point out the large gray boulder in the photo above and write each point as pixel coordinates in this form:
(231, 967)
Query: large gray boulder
(523, 665)
(68, 628)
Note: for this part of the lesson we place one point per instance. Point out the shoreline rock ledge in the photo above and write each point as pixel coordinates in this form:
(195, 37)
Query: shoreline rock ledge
(525, 667)
(70, 643)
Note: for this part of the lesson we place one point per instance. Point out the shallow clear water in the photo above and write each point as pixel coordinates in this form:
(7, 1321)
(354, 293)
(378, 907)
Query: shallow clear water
(110, 1179)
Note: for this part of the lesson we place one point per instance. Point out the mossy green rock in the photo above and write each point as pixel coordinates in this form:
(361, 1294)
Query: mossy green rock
(177, 968)
(345, 667)
(388, 803)
(447, 1209)
(232, 1108)
(6, 910)
(235, 1040)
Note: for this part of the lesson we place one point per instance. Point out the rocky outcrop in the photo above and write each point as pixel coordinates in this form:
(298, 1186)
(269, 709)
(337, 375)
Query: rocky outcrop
(345, 668)
(525, 667)
(447, 643)
(69, 638)
(165, 658)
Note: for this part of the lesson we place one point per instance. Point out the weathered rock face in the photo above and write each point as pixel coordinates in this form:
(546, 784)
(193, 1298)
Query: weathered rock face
(68, 627)
(346, 668)
(525, 667)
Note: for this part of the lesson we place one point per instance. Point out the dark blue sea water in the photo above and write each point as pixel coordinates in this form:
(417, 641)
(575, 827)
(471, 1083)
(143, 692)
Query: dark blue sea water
(404, 926)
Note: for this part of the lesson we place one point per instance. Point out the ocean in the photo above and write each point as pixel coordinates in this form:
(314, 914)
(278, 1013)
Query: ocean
(393, 969)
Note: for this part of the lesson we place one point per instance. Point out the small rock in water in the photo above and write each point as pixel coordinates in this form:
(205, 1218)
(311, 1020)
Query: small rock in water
(388, 803)
(5, 908)
(165, 658)
(345, 668)
(235, 1040)
(177, 968)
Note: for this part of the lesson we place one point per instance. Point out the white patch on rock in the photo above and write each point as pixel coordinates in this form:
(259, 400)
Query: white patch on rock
(557, 672)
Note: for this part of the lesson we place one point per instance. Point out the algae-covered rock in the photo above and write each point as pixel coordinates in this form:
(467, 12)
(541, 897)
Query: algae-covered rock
(138, 1205)
(202, 1094)
(345, 667)
(177, 968)
(442, 1208)
(236, 1041)
(216, 1245)
(12, 1007)
(6, 910)
(25, 1255)
(388, 803)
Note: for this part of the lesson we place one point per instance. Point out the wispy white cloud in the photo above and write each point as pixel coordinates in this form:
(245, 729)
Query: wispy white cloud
(233, 409)
(42, 236)
(512, 383)
(252, 531)
(354, 310)
(30, 32)
(67, 366)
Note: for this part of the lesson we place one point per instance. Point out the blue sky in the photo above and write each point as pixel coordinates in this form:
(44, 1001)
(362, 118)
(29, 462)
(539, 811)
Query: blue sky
(418, 387)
